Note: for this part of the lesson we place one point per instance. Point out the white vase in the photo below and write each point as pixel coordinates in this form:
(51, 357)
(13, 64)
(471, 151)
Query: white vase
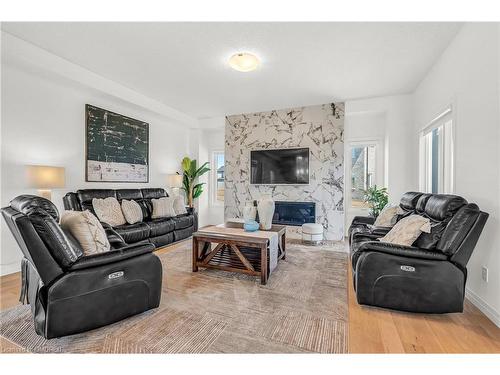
(266, 211)
(249, 212)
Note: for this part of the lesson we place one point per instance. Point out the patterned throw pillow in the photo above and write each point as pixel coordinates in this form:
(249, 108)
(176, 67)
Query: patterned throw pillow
(87, 230)
(132, 211)
(387, 217)
(109, 211)
(163, 207)
(179, 206)
(407, 230)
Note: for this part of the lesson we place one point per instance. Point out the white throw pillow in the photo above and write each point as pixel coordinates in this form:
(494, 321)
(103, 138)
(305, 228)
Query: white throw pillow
(132, 211)
(109, 211)
(163, 207)
(407, 230)
(387, 217)
(87, 230)
(179, 206)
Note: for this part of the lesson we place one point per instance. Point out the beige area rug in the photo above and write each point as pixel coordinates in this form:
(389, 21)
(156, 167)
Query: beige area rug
(302, 309)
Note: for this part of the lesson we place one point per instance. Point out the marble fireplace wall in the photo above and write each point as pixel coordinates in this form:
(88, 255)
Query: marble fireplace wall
(321, 129)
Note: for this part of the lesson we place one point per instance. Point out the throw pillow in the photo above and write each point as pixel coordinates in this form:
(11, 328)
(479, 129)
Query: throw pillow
(387, 217)
(132, 211)
(179, 206)
(407, 230)
(163, 207)
(109, 211)
(87, 230)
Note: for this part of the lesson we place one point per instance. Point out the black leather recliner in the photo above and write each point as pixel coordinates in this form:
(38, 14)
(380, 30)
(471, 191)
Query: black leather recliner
(159, 232)
(69, 292)
(430, 275)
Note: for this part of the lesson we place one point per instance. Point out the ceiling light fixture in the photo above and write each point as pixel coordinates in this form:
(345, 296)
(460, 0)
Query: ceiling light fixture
(244, 62)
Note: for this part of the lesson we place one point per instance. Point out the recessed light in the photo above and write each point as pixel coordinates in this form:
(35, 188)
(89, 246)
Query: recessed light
(244, 62)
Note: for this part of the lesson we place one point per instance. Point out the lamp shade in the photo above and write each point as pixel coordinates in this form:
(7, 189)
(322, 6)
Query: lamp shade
(174, 180)
(45, 177)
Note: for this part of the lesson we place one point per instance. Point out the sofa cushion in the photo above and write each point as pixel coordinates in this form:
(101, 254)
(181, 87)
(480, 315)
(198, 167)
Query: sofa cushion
(87, 230)
(443, 206)
(133, 232)
(421, 203)
(163, 207)
(409, 200)
(132, 211)
(109, 211)
(160, 226)
(407, 230)
(85, 197)
(179, 207)
(62, 249)
(182, 222)
(387, 217)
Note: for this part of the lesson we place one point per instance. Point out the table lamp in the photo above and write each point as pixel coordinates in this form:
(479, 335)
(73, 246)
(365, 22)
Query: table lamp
(174, 181)
(45, 178)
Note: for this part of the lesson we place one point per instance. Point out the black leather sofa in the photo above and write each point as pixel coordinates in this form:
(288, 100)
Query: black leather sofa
(69, 292)
(159, 232)
(430, 275)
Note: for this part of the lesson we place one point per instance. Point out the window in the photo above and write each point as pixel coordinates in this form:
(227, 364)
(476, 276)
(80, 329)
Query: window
(436, 155)
(218, 177)
(363, 166)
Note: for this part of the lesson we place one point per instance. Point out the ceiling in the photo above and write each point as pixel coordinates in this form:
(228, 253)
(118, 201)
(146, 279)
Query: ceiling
(184, 65)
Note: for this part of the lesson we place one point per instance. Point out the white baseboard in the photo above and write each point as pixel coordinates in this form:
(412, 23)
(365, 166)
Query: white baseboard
(6, 269)
(482, 305)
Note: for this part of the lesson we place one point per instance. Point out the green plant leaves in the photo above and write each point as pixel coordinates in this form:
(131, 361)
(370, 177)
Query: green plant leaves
(376, 198)
(190, 175)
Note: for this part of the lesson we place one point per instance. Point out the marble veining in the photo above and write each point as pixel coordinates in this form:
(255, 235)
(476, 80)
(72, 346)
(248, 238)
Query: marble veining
(320, 128)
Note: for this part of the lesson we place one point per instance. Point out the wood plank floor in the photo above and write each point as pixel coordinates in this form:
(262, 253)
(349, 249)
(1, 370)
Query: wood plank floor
(371, 330)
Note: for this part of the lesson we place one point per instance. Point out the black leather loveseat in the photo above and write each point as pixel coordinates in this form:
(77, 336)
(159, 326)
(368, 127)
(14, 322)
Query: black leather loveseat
(159, 232)
(69, 292)
(430, 275)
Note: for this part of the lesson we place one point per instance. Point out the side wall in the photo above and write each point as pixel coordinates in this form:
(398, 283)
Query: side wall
(467, 78)
(43, 122)
(320, 128)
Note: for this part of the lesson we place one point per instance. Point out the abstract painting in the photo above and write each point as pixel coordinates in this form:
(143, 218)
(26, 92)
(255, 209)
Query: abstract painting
(117, 147)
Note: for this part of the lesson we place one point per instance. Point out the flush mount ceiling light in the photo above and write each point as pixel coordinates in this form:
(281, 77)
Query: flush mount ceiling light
(244, 62)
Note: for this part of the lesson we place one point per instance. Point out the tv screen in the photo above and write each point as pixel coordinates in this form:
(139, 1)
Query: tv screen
(280, 167)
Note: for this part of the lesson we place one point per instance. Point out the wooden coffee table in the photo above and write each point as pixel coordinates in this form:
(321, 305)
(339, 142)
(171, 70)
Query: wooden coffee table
(236, 250)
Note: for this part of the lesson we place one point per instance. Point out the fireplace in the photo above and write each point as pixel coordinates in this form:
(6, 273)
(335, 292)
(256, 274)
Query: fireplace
(294, 213)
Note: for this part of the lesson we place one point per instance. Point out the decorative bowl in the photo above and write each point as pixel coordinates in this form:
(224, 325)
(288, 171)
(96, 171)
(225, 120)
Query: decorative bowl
(251, 226)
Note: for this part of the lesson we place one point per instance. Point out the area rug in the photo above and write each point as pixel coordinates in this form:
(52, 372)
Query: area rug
(302, 309)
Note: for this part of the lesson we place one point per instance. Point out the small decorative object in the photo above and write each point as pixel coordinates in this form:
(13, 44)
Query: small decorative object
(265, 208)
(117, 147)
(257, 214)
(376, 198)
(312, 233)
(251, 226)
(249, 212)
(191, 174)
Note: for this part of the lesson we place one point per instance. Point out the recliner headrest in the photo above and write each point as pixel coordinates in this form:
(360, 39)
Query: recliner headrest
(422, 201)
(409, 200)
(442, 206)
(27, 203)
(86, 195)
(154, 193)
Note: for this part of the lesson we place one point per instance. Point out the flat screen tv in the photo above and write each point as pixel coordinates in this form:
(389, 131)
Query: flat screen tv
(279, 167)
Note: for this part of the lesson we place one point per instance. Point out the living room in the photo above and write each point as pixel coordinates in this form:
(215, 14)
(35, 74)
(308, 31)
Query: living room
(238, 187)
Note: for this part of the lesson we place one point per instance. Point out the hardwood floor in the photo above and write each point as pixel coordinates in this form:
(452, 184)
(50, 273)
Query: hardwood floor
(371, 330)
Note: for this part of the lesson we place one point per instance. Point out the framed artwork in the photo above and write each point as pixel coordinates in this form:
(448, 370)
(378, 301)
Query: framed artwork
(117, 147)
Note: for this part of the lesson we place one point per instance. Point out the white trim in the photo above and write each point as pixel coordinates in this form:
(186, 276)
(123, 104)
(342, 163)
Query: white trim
(213, 178)
(483, 306)
(431, 123)
(7, 269)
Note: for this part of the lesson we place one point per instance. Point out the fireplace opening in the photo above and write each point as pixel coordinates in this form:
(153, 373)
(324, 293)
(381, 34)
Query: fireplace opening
(294, 213)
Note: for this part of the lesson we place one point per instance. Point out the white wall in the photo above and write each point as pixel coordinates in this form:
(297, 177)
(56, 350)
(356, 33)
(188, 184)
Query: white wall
(211, 138)
(388, 119)
(467, 77)
(43, 122)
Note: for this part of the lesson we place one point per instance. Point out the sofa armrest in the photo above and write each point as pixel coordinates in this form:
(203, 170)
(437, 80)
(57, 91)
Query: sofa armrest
(115, 240)
(363, 220)
(380, 231)
(112, 256)
(400, 250)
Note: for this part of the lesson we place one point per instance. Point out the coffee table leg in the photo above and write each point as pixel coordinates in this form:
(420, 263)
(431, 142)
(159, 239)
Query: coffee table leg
(195, 254)
(263, 264)
(283, 245)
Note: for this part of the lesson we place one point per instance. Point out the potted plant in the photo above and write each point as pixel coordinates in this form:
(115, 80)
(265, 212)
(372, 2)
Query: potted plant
(376, 198)
(189, 180)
